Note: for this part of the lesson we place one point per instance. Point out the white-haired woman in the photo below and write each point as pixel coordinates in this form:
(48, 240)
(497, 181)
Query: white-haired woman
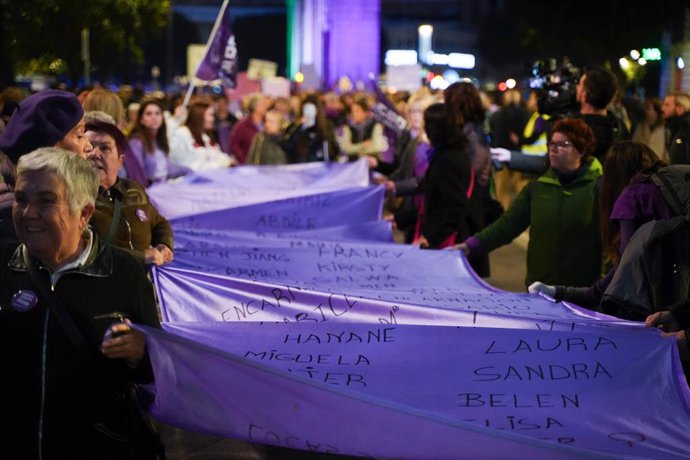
(66, 345)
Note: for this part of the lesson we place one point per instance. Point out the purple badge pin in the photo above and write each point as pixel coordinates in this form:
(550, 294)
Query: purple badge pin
(24, 300)
(141, 215)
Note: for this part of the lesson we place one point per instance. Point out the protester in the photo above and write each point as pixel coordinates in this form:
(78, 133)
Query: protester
(676, 110)
(71, 359)
(678, 127)
(651, 130)
(362, 136)
(124, 215)
(560, 210)
(108, 102)
(627, 200)
(225, 120)
(243, 132)
(310, 137)
(506, 125)
(412, 150)
(45, 119)
(266, 148)
(149, 143)
(447, 184)
(464, 107)
(48, 118)
(192, 146)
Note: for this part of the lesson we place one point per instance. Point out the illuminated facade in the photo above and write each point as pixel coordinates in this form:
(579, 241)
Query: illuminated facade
(332, 39)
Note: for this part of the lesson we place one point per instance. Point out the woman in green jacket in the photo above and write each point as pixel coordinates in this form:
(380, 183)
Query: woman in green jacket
(560, 209)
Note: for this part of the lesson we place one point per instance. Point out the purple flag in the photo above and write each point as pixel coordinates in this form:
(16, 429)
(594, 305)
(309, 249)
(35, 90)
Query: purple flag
(220, 60)
(385, 112)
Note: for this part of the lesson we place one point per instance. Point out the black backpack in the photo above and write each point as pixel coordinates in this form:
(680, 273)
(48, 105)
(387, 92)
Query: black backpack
(674, 183)
(654, 270)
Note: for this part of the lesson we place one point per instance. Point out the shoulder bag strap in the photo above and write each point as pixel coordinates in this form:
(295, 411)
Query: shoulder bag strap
(61, 315)
(117, 211)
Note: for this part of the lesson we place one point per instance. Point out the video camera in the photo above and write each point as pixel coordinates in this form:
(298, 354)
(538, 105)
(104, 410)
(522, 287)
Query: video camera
(556, 86)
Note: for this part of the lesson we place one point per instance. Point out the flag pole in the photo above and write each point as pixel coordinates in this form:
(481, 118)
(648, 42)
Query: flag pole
(190, 90)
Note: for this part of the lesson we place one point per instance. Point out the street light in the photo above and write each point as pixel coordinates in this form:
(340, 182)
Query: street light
(425, 32)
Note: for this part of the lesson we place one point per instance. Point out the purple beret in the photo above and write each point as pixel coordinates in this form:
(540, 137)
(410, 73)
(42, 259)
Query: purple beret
(40, 120)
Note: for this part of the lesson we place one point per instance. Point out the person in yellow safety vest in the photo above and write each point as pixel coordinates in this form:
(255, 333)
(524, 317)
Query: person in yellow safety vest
(534, 137)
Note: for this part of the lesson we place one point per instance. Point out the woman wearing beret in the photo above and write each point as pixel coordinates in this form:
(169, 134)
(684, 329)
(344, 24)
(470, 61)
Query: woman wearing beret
(45, 119)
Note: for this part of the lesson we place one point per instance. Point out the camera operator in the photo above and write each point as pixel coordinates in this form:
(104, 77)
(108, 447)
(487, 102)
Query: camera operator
(594, 91)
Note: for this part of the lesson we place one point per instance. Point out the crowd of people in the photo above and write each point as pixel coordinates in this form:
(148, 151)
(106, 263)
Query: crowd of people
(464, 173)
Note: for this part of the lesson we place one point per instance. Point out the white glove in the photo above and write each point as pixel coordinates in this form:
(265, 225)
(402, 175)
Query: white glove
(501, 154)
(545, 289)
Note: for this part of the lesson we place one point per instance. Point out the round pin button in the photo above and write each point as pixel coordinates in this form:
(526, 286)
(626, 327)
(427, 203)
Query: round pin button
(24, 300)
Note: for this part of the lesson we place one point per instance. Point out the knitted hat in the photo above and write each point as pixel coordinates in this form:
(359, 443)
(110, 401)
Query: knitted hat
(40, 120)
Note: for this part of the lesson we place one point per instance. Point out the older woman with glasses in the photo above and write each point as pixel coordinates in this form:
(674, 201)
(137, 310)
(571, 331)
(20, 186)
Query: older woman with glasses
(561, 211)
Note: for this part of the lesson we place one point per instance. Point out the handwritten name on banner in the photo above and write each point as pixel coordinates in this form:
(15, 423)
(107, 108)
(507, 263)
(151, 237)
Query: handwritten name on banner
(301, 280)
(298, 323)
(309, 212)
(449, 391)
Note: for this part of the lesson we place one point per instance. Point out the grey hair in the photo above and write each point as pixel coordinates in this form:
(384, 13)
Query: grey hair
(78, 175)
(98, 115)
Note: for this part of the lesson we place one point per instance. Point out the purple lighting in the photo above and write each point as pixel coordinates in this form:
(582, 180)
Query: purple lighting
(352, 41)
(332, 39)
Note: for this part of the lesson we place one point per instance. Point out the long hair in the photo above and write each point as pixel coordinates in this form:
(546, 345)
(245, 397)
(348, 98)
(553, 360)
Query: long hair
(464, 103)
(624, 161)
(160, 139)
(655, 104)
(105, 101)
(437, 125)
(195, 120)
(321, 120)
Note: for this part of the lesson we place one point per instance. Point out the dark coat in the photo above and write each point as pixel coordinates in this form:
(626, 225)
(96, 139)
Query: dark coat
(446, 206)
(654, 272)
(80, 399)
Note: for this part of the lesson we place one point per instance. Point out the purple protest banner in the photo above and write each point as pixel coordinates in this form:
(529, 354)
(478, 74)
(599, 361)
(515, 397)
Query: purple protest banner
(220, 59)
(304, 212)
(397, 391)
(190, 238)
(222, 189)
(283, 280)
(276, 335)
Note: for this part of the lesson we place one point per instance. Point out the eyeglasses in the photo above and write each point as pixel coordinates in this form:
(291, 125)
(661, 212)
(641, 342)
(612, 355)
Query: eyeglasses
(559, 144)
